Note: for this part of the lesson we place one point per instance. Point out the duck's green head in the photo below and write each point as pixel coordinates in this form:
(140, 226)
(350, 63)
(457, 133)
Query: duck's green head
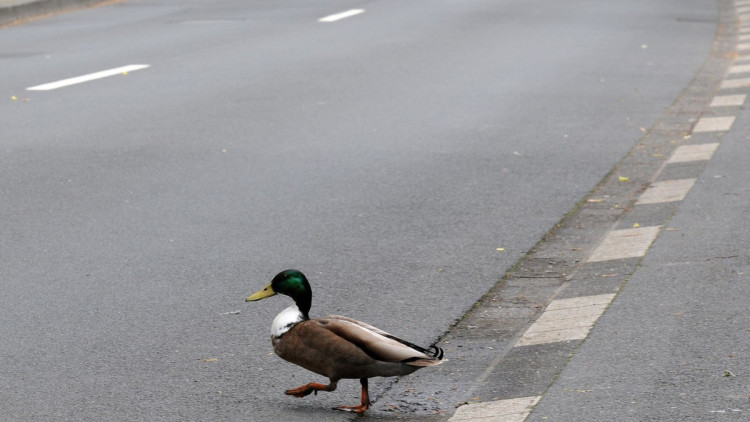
(291, 283)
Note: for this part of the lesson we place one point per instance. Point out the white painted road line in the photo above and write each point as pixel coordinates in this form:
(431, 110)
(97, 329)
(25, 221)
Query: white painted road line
(666, 191)
(342, 15)
(698, 152)
(579, 302)
(743, 68)
(510, 410)
(728, 100)
(87, 78)
(625, 243)
(714, 124)
(566, 319)
(735, 83)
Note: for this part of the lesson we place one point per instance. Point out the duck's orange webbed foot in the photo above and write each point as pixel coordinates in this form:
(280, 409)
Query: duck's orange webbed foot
(312, 387)
(360, 408)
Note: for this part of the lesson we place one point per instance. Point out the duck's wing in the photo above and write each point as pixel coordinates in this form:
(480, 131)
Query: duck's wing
(379, 344)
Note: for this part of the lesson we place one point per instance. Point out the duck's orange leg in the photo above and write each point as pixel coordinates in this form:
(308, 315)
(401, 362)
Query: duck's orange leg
(312, 387)
(360, 408)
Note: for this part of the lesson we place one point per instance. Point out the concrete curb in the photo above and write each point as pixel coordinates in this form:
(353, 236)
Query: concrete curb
(13, 13)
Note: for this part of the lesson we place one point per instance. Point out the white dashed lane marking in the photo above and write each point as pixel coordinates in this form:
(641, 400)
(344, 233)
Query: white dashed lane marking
(697, 152)
(343, 15)
(729, 100)
(666, 191)
(566, 319)
(714, 124)
(744, 68)
(625, 243)
(510, 410)
(88, 77)
(735, 83)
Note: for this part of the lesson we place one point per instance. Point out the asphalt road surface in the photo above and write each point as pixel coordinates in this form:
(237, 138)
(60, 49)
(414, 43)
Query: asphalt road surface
(388, 155)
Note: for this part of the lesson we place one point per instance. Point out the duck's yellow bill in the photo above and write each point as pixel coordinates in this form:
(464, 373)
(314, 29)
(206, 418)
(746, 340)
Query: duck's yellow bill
(266, 292)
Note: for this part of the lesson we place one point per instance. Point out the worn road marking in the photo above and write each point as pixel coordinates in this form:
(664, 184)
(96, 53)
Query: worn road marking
(625, 243)
(89, 77)
(729, 100)
(343, 15)
(566, 319)
(666, 191)
(577, 302)
(735, 83)
(510, 410)
(741, 68)
(697, 152)
(714, 124)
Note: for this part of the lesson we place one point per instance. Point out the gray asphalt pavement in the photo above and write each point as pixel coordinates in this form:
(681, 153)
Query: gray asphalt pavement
(388, 156)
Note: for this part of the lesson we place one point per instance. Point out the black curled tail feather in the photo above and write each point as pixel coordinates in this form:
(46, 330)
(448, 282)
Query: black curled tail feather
(432, 351)
(437, 352)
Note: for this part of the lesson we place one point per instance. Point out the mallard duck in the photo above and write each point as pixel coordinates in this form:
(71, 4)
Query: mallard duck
(336, 346)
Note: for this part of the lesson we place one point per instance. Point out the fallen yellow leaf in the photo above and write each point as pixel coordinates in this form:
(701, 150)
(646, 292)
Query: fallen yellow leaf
(636, 225)
(623, 178)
